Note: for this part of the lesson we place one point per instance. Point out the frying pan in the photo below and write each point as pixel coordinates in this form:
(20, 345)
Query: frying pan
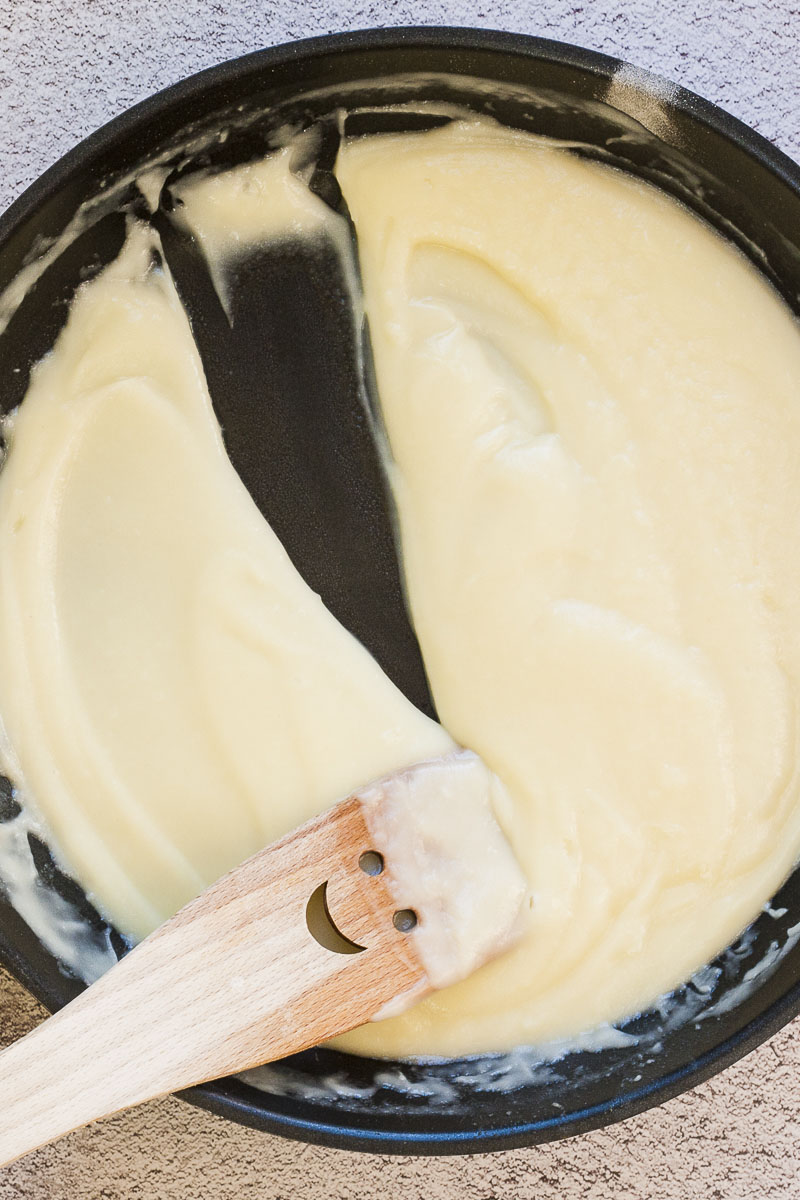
(293, 416)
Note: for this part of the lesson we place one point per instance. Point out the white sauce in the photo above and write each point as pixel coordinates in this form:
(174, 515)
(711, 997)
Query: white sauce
(175, 695)
(437, 823)
(592, 406)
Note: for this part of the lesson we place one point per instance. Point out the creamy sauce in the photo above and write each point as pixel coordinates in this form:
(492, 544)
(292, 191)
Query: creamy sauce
(176, 697)
(591, 408)
(462, 872)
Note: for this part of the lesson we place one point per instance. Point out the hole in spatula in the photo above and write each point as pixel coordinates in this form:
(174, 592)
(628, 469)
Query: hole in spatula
(404, 920)
(371, 862)
(322, 926)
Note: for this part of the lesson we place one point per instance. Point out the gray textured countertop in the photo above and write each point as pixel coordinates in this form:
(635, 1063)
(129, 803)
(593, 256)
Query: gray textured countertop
(66, 66)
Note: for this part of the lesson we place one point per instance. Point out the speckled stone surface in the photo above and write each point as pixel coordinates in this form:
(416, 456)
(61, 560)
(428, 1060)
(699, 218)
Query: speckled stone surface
(735, 1138)
(66, 66)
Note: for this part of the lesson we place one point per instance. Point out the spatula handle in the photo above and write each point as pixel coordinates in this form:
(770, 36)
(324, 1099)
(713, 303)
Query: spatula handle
(235, 979)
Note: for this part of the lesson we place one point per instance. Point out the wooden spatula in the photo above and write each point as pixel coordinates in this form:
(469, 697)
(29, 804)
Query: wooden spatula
(405, 886)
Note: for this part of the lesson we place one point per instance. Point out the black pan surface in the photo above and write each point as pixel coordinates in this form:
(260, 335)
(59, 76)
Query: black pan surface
(296, 428)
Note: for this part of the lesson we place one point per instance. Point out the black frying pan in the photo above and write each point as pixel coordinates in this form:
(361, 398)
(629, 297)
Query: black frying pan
(293, 420)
